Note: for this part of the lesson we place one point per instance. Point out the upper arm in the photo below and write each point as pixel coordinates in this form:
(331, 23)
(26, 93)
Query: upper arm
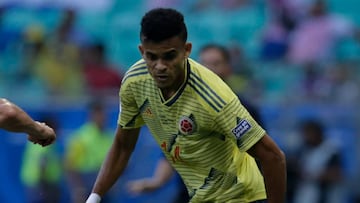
(266, 150)
(10, 115)
(4, 110)
(236, 123)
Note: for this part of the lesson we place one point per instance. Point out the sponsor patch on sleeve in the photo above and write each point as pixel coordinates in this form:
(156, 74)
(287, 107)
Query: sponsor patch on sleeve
(242, 127)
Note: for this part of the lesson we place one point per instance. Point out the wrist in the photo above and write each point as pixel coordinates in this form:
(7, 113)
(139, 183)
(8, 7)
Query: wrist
(35, 130)
(93, 198)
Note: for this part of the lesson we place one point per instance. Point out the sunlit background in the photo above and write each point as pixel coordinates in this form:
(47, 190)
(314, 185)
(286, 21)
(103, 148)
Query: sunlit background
(294, 59)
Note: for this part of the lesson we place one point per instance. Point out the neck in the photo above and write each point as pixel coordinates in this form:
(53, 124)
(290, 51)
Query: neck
(169, 92)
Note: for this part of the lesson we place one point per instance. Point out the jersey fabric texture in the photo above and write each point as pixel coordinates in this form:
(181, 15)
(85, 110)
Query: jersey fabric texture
(203, 130)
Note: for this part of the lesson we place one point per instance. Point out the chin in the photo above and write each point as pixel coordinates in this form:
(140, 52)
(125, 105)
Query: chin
(161, 86)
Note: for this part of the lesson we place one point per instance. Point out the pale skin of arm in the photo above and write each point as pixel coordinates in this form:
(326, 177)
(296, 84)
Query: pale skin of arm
(14, 119)
(162, 175)
(116, 159)
(273, 167)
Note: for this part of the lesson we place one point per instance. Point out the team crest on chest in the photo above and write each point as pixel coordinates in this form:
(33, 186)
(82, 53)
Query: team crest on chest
(187, 125)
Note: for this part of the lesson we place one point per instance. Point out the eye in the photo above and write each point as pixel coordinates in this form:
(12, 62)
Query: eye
(170, 55)
(151, 56)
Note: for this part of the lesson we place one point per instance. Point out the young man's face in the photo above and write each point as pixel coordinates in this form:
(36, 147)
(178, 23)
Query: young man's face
(213, 59)
(166, 61)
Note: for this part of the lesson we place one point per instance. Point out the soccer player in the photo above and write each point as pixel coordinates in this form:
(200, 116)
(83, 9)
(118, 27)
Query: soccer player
(14, 119)
(200, 124)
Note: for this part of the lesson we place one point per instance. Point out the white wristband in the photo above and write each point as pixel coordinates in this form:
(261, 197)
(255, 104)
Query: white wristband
(93, 198)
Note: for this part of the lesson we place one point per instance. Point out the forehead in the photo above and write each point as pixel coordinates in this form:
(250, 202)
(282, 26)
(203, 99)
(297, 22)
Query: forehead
(171, 44)
(211, 53)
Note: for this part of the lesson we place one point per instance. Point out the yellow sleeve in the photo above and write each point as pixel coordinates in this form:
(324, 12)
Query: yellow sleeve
(235, 122)
(129, 114)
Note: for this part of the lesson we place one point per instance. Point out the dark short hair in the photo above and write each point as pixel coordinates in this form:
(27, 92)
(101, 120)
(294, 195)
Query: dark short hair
(160, 24)
(312, 125)
(222, 49)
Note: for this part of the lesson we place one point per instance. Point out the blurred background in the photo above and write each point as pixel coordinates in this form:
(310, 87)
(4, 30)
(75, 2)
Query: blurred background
(296, 61)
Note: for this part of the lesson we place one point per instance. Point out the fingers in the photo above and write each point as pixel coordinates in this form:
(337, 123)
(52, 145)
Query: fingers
(43, 143)
(43, 136)
(46, 142)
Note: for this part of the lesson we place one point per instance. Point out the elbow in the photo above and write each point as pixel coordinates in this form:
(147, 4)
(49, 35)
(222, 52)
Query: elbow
(281, 158)
(7, 111)
(276, 157)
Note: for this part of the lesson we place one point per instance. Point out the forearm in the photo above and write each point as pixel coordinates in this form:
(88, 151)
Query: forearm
(163, 173)
(14, 119)
(274, 172)
(111, 169)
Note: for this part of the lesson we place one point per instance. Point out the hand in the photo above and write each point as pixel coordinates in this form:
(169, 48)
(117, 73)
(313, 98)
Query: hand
(137, 187)
(45, 135)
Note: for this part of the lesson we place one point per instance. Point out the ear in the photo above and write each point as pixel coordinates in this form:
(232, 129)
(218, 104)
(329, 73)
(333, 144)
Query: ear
(188, 48)
(141, 49)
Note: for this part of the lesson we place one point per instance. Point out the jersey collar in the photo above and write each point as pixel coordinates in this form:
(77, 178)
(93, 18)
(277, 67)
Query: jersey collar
(174, 98)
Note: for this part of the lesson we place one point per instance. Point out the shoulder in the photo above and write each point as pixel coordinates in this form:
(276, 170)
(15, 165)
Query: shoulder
(139, 69)
(208, 85)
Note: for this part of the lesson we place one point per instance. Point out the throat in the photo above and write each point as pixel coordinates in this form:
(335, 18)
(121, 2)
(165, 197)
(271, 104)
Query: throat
(167, 93)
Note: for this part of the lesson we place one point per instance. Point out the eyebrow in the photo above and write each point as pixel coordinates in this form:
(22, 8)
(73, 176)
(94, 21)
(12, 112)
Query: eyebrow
(172, 50)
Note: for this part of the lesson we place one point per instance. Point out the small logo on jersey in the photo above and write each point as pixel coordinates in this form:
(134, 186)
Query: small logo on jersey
(242, 127)
(148, 112)
(186, 125)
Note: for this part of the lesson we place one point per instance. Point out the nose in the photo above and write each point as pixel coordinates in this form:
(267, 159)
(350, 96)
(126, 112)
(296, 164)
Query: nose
(160, 65)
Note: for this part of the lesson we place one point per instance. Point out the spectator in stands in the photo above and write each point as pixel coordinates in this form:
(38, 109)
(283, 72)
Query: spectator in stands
(100, 76)
(15, 119)
(41, 170)
(314, 38)
(163, 172)
(311, 86)
(342, 84)
(86, 149)
(333, 84)
(294, 10)
(275, 36)
(217, 58)
(318, 166)
(68, 32)
(57, 62)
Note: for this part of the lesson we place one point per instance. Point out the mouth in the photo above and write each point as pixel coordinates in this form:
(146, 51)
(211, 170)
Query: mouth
(161, 78)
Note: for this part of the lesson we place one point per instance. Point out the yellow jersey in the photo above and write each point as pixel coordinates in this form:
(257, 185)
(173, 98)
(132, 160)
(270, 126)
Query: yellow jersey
(203, 130)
